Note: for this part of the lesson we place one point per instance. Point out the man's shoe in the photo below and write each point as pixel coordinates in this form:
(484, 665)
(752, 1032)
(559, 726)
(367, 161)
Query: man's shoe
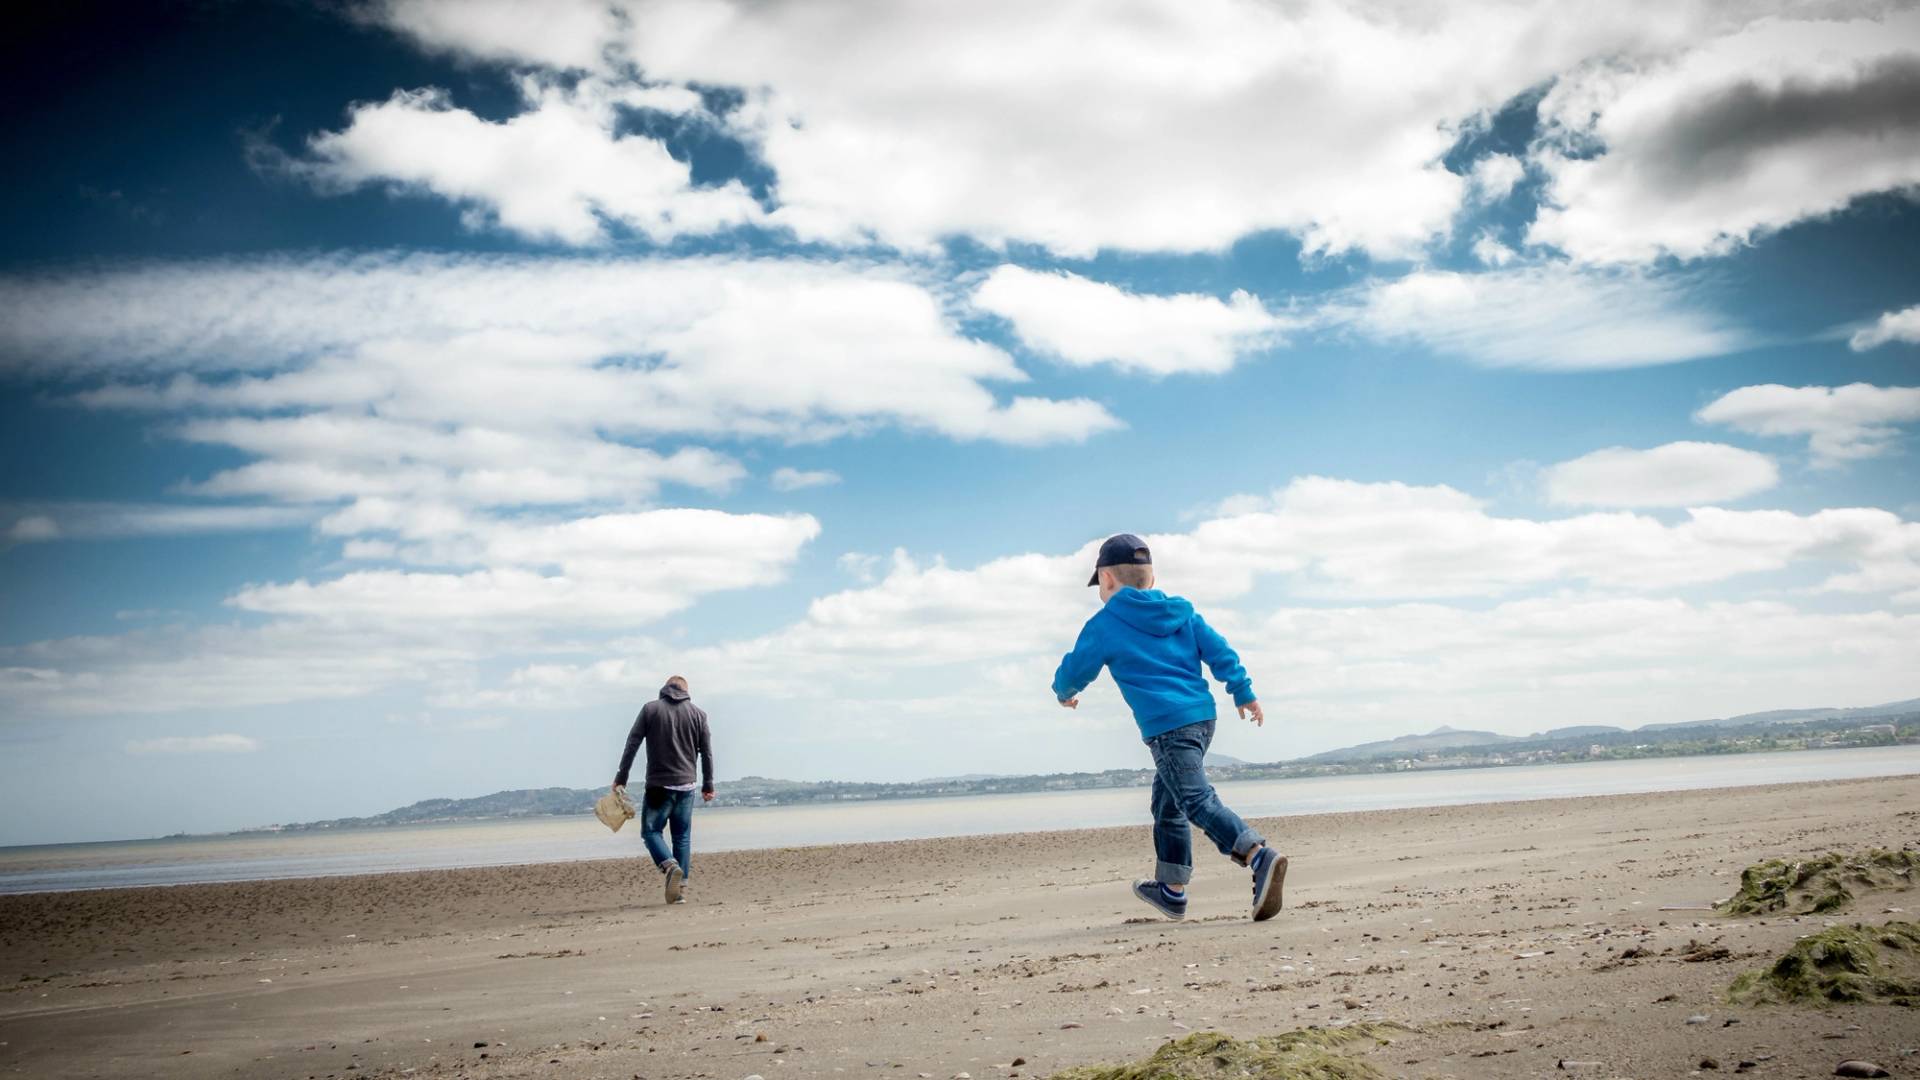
(1269, 873)
(674, 880)
(1171, 904)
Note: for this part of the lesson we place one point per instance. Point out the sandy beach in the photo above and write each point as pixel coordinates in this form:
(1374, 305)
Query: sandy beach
(1493, 934)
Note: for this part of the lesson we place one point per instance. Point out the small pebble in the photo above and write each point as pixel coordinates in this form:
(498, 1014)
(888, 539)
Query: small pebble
(1698, 1018)
(1859, 1068)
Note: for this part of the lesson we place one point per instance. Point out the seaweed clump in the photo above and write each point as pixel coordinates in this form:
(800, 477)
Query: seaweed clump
(1308, 1054)
(1841, 965)
(1819, 885)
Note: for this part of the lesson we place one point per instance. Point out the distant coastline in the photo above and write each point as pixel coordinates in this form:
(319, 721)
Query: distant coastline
(1772, 732)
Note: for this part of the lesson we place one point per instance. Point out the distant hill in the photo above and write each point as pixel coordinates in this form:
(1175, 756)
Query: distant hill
(1446, 738)
(1797, 716)
(1440, 738)
(525, 802)
(1227, 761)
(1580, 731)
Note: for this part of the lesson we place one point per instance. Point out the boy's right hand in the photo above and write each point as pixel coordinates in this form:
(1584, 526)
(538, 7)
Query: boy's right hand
(1252, 711)
(1070, 703)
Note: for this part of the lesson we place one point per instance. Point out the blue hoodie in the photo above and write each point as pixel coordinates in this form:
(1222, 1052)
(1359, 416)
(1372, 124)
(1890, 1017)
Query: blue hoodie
(1154, 644)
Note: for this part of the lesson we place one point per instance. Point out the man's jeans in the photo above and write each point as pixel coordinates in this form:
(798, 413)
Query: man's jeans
(1181, 794)
(659, 809)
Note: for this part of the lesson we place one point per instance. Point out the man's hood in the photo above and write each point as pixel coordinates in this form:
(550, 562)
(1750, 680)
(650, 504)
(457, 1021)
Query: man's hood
(672, 692)
(1150, 611)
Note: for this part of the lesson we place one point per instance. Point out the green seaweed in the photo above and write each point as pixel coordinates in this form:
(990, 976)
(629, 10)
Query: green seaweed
(1855, 964)
(1298, 1055)
(1820, 885)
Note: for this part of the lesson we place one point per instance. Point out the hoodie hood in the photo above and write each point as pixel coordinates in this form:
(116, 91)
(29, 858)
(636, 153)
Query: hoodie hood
(1151, 611)
(670, 692)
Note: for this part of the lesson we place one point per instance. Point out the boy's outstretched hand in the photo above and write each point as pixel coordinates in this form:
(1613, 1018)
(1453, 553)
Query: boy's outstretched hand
(1070, 703)
(1252, 711)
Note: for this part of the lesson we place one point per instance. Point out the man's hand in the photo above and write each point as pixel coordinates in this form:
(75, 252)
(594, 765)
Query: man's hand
(1070, 703)
(1252, 711)
(706, 796)
(618, 786)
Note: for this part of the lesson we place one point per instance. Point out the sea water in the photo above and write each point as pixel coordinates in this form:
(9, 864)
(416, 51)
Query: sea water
(256, 856)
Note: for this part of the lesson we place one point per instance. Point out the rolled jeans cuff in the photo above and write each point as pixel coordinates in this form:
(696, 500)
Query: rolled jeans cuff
(1172, 873)
(1245, 844)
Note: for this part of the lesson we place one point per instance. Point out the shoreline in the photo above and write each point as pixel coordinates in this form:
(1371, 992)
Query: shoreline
(326, 829)
(883, 846)
(386, 850)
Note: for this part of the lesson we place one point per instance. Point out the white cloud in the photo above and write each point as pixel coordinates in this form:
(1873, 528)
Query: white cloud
(561, 34)
(1494, 176)
(559, 361)
(1842, 423)
(1491, 252)
(195, 744)
(928, 634)
(860, 566)
(1902, 326)
(790, 479)
(1155, 127)
(208, 668)
(1696, 151)
(32, 528)
(614, 569)
(533, 588)
(1328, 538)
(1549, 318)
(85, 520)
(1677, 474)
(345, 454)
(554, 171)
(1089, 322)
(1528, 665)
(1344, 539)
(1681, 129)
(475, 432)
(910, 648)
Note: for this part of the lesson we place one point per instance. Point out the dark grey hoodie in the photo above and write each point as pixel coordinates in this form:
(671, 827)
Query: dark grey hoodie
(675, 730)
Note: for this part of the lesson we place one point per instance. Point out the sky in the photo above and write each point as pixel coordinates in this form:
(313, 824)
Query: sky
(394, 392)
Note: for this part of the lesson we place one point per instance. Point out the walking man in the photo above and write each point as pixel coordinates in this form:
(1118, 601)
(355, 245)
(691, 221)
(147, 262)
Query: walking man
(675, 730)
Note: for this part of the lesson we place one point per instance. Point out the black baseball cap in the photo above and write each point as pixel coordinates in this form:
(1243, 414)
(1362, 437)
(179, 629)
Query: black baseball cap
(1121, 549)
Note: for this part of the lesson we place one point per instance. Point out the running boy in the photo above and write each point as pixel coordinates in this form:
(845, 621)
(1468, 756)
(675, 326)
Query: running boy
(1154, 645)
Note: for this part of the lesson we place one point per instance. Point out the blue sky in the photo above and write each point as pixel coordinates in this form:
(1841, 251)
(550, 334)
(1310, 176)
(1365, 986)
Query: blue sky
(393, 394)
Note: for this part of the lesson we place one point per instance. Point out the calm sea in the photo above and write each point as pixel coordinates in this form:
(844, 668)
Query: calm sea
(359, 851)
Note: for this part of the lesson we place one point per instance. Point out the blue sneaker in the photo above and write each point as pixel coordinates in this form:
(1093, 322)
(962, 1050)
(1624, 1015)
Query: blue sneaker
(1162, 899)
(1269, 872)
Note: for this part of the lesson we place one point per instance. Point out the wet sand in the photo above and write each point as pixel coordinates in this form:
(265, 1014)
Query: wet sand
(1494, 931)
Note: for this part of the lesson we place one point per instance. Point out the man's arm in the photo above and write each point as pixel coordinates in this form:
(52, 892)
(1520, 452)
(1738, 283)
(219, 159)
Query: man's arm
(1225, 665)
(634, 738)
(1078, 668)
(706, 759)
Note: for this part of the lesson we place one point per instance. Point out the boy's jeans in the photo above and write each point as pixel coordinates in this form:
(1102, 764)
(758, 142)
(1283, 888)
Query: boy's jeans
(661, 808)
(1181, 794)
